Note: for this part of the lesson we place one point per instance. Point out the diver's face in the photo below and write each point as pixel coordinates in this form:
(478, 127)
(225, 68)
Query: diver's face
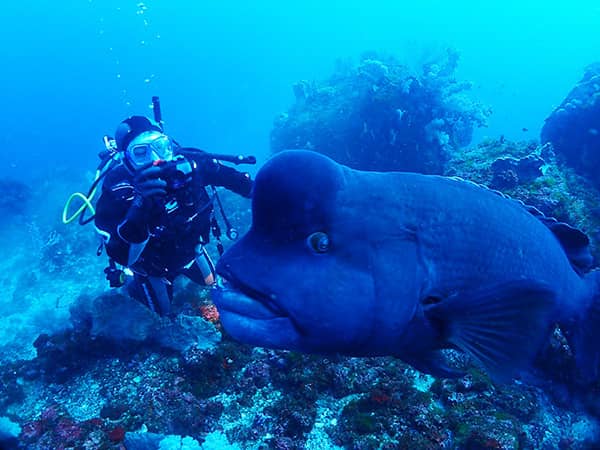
(148, 147)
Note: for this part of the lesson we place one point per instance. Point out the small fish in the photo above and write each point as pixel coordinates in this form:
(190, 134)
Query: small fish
(524, 130)
(369, 264)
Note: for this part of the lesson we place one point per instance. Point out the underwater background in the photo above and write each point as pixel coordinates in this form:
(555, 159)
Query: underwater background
(224, 70)
(83, 366)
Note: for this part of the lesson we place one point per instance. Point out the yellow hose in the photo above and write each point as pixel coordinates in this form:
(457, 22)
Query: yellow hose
(87, 203)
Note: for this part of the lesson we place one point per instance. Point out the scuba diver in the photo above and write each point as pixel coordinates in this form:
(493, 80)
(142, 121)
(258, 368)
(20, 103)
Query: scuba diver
(155, 214)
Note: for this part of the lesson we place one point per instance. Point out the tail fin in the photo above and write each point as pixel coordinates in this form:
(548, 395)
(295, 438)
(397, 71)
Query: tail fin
(586, 337)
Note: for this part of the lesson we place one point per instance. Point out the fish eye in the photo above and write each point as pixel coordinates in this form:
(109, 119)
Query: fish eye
(318, 242)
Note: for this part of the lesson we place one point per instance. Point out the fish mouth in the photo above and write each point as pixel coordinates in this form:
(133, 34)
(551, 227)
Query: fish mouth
(237, 297)
(253, 316)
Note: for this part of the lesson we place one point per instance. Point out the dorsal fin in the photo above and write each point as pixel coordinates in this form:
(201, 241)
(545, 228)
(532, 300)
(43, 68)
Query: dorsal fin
(574, 242)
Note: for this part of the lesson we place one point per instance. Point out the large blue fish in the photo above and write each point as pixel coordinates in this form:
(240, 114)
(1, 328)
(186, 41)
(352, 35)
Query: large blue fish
(366, 264)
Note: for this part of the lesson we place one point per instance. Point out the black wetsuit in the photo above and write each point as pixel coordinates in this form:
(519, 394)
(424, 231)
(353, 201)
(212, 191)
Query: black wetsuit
(161, 240)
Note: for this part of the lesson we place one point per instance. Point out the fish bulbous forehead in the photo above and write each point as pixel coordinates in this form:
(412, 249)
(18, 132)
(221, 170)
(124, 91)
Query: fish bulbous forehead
(296, 189)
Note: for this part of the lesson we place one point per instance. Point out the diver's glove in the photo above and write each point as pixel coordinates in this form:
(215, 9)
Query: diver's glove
(148, 185)
(149, 190)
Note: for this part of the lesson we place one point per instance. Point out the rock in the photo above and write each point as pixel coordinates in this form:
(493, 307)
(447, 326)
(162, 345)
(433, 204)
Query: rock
(9, 433)
(119, 319)
(153, 441)
(114, 316)
(188, 331)
(509, 172)
(142, 441)
(173, 442)
(573, 128)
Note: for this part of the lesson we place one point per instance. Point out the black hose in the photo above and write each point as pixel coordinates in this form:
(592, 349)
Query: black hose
(231, 233)
(157, 111)
(102, 168)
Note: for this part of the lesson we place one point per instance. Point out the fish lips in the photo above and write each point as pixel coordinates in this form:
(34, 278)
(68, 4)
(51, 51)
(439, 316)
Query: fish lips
(252, 317)
(236, 297)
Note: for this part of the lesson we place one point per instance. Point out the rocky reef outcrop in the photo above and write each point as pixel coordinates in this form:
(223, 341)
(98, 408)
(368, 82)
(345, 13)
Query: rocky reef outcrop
(574, 127)
(381, 115)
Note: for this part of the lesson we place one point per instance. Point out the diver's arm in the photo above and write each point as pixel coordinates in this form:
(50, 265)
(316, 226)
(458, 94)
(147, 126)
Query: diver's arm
(212, 172)
(121, 216)
(126, 236)
(134, 229)
(229, 178)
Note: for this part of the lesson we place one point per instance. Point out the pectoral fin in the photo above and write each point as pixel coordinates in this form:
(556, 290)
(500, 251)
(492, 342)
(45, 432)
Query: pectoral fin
(433, 363)
(501, 326)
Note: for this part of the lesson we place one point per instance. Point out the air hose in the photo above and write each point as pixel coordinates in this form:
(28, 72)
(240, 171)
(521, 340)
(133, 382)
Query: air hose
(102, 170)
(87, 203)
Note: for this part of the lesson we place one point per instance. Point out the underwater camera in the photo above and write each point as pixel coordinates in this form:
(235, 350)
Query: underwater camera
(177, 172)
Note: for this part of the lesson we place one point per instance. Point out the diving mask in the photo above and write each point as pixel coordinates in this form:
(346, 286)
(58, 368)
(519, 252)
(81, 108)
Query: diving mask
(148, 147)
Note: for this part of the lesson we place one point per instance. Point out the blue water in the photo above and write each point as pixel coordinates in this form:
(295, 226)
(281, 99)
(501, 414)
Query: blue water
(224, 70)
(71, 70)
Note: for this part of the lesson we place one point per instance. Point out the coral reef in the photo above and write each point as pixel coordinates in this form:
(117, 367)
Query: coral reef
(533, 174)
(508, 172)
(236, 397)
(574, 127)
(382, 116)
